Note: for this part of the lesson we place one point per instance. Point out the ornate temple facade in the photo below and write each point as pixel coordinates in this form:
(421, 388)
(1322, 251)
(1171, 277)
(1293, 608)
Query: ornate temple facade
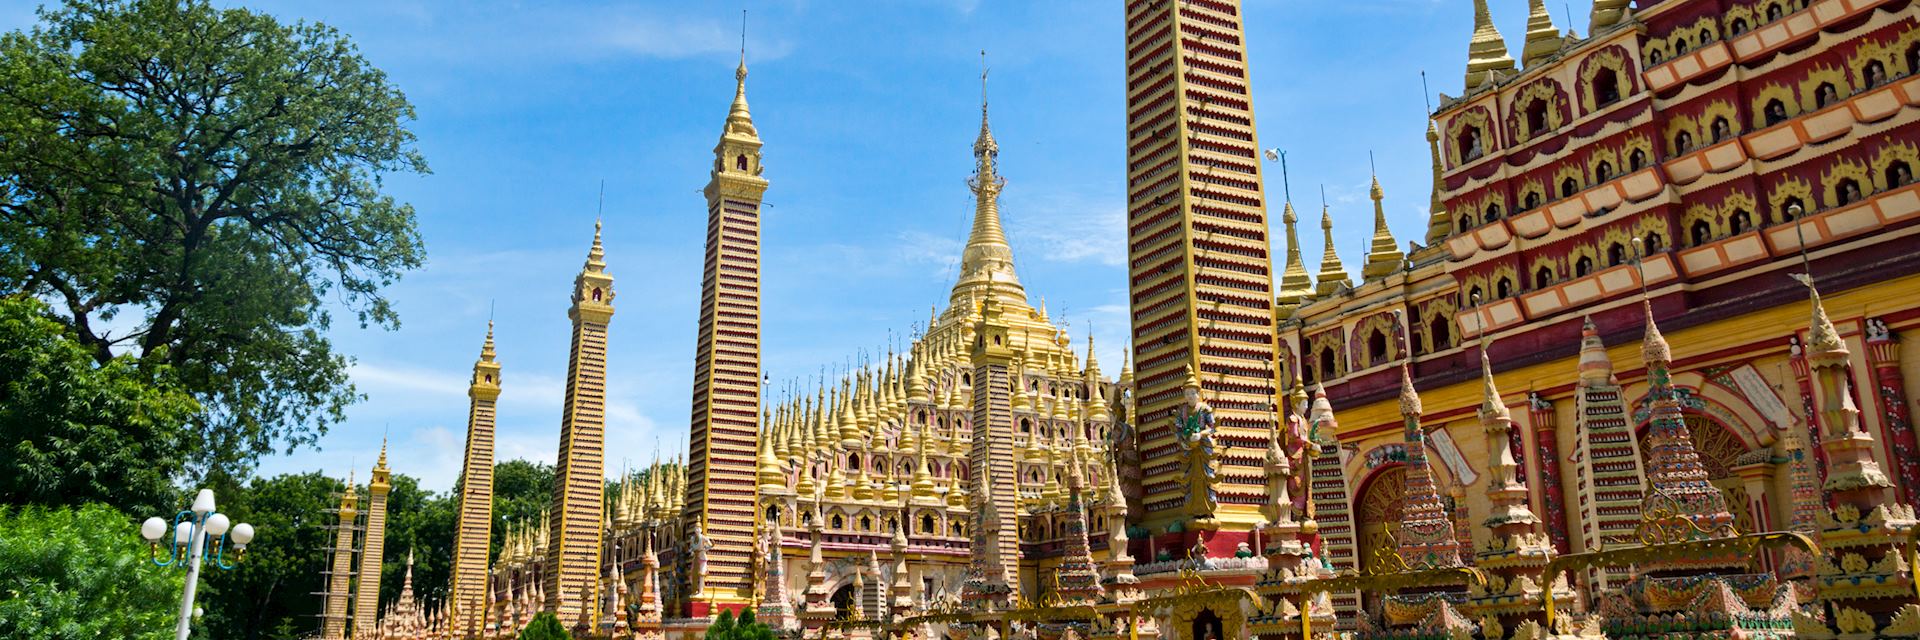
(1589, 401)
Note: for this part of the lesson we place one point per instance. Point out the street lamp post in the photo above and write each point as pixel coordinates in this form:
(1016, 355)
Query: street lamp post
(191, 530)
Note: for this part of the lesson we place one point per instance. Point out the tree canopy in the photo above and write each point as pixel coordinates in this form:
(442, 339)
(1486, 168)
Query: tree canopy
(544, 626)
(75, 431)
(202, 187)
(69, 574)
(746, 628)
(269, 594)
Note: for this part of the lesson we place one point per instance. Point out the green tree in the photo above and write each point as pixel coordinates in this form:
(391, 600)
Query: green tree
(81, 573)
(73, 430)
(269, 594)
(522, 489)
(746, 628)
(424, 523)
(544, 626)
(195, 186)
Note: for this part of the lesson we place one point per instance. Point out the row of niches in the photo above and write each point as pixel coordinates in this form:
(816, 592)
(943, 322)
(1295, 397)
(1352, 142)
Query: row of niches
(1776, 102)
(1733, 21)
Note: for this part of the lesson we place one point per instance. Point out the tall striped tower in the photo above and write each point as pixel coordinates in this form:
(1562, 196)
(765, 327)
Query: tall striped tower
(726, 370)
(366, 591)
(579, 488)
(1201, 286)
(469, 581)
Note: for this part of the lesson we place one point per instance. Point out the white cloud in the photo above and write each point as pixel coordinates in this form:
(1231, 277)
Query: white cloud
(402, 382)
(662, 37)
(1067, 226)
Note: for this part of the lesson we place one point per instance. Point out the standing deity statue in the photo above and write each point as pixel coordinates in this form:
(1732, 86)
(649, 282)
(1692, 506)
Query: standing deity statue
(1195, 435)
(698, 544)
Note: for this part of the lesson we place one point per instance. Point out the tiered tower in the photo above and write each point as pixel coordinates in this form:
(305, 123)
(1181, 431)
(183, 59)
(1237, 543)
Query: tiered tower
(1076, 579)
(1864, 534)
(1199, 276)
(573, 552)
(995, 499)
(1677, 482)
(333, 612)
(1611, 480)
(1516, 552)
(366, 590)
(726, 373)
(469, 579)
(1427, 538)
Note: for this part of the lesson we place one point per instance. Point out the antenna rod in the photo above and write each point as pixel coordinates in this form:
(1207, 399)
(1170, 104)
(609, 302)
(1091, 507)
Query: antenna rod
(1371, 168)
(743, 37)
(983, 79)
(1285, 183)
(1425, 93)
(601, 209)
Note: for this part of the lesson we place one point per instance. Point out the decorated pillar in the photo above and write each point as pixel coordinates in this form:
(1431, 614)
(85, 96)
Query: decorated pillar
(1883, 354)
(1546, 487)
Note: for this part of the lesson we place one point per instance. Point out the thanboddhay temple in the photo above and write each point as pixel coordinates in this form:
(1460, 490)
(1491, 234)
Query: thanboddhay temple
(1644, 374)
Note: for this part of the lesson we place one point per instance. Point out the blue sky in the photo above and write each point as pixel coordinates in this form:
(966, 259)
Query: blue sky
(868, 110)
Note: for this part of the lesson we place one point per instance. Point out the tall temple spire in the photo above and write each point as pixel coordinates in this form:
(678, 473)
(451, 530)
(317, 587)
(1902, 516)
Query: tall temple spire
(1295, 285)
(1200, 228)
(1385, 256)
(578, 507)
(1543, 39)
(987, 256)
(373, 545)
(1487, 53)
(1333, 276)
(723, 435)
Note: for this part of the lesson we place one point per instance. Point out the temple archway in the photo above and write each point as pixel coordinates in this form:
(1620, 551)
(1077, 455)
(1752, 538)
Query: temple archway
(1379, 512)
(842, 600)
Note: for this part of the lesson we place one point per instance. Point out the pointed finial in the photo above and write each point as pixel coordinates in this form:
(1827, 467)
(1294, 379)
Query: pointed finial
(1332, 274)
(1654, 347)
(1487, 52)
(983, 84)
(486, 348)
(1543, 39)
(1490, 403)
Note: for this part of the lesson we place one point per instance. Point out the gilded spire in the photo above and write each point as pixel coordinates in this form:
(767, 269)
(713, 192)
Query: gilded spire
(1487, 53)
(1543, 39)
(987, 256)
(1295, 285)
(1491, 406)
(597, 254)
(739, 121)
(1606, 13)
(1385, 256)
(486, 348)
(1333, 276)
(1822, 337)
(1439, 223)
